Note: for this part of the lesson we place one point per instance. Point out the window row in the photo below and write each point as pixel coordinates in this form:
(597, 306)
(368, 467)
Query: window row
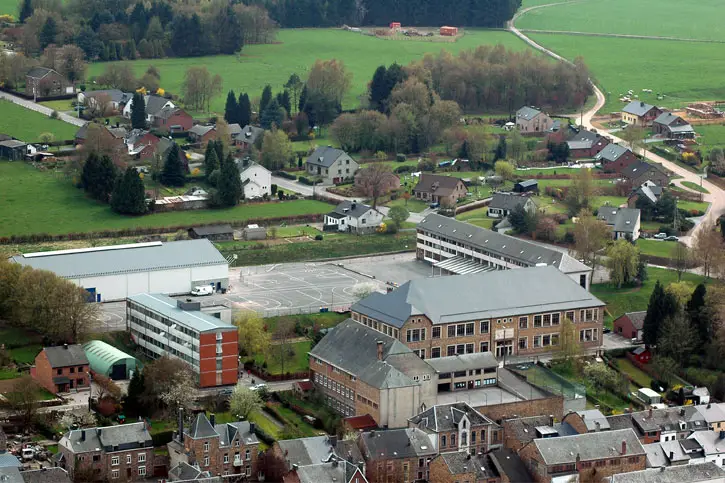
(334, 386)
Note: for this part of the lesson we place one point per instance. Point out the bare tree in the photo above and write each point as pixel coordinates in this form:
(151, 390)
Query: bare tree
(707, 246)
(199, 87)
(104, 386)
(99, 105)
(23, 399)
(282, 349)
(590, 236)
(376, 180)
(118, 76)
(679, 259)
(244, 401)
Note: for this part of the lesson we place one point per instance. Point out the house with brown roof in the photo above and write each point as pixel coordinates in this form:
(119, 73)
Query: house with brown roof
(435, 188)
(641, 172)
(202, 134)
(630, 325)
(62, 368)
(614, 158)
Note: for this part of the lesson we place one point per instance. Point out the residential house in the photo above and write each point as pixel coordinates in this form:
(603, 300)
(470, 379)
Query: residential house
(115, 98)
(641, 172)
(630, 325)
(714, 414)
(530, 185)
(353, 217)
(435, 188)
(247, 137)
(45, 82)
(141, 144)
(615, 158)
(674, 453)
(223, 232)
(154, 104)
(519, 431)
(462, 466)
(624, 222)
(162, 152)
(456, 247)
(202, 134)
(585, 144)
(360, 370)
(532, 120)
(303, 388)
(220, 449)
(293, 454)
(235, 130)
(510, 467)
(712, 444)
(648, 190)
(62, 368)
(331, 165)
(399, 455)
(256, 179)
(458, 428)
(172, 120)
(111, 136)
(668, 424)
(604, 454)
(107, 453)
(13, 150)
(340, 471)
(45, 475)
(502, 204)
(672, 127)
(638, 113)
(701, 473)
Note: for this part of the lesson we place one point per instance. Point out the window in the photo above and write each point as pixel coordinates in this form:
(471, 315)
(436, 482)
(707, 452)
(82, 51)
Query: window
(435, 352)
(206, 461)
(484, 326)
(537, 341)
(128, 459)
(451, 331)
(114, 474)
(523, 342)
(141, 471)
(206, 446)
(473, 437)
(460, 349)
(142, 457)
(570, 315)
(546, 340)
(469, 328)
(443, 441)
(72, 370)
(547, 320)
(59, 372)
(588, 335)
(453, 439)
(96, 457)
(436, 333)
(247, 455)
(461, 330)
(555, 339)
(226, 458)
(523, 322)
(464, 439)
(115, 461)
(555, 318)
(537, 321)
(451, 350)
(484, 347)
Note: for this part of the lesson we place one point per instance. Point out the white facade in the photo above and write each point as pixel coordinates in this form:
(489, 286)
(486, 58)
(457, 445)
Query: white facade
(256, 181)
(368, 221)
(149, 117)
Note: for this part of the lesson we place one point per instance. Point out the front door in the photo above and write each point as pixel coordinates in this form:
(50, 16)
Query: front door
(504, 348)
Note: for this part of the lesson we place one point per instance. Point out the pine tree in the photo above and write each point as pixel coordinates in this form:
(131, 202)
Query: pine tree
(303, 99)
(106, 179)
(500, 148)
(245, 110)
(700, 318)
(378, 89)
(132, 403)
(129, 195)
(211, 160)
(284, 101)
(89, 175)
(48, 33)
(229, 188)
(172, 173)
(26, 10)
(272, 115)
(266, 98)
(231, 109)
(661, 305)
(138, 111)
(219, 147)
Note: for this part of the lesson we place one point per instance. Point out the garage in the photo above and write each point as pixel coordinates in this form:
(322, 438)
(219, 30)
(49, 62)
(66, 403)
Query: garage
(108, 361)
(114, 272)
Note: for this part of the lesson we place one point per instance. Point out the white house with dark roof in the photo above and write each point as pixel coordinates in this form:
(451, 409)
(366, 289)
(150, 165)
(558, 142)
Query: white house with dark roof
(502, 204)
(331, 165)
(256, 180)
(154, 105)
(624, 222)
(353, 217)
(532, 120)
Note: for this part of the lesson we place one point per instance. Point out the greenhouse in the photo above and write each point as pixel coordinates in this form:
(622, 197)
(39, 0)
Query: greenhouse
(109, 361)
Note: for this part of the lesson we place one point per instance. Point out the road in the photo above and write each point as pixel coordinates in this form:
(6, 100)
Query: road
(41, 109)
(716, 197)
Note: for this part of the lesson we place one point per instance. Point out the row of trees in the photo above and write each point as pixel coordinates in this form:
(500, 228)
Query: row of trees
(222, 174)
(101, 180)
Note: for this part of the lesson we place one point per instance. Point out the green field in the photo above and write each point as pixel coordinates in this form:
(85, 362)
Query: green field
(27, 125)
(693, 186)
(638, 375)
(9, 7)
(297, 49)
(661, 65)
(37, 202)
(711, 135)
(656, 248)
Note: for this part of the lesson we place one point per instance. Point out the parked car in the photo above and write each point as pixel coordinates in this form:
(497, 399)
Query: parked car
(257, 387)
(435, 205)
(672, 238)
(661, 236)
(202, 290)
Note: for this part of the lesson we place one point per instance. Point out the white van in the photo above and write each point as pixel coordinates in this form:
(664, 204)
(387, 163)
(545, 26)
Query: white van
(202, 290)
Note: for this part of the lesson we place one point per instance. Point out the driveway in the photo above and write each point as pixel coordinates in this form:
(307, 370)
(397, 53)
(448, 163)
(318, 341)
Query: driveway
(41, 109)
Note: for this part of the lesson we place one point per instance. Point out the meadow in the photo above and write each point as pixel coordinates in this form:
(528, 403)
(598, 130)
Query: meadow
(9, 7)
(657, 18)
(297, 49)
(39, 202)
(27, 125)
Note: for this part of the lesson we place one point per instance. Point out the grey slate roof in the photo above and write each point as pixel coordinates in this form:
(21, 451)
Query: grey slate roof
(250, 134)
(447, 417)
(351, 209)
(712, 412)
(652, 193)
(527, 113)
(637, 318)
(116, 95)
(201, 428)
(325, 156)
(184, 471)
(167, 112)
(699, 473)
(593, 416)
(611, 153)
(39, 72)
(583, 139)
(13, 144)
(437, 184)
(522, 251)
(620, 219)
(636, 169)
(10, 474)
(667, 118)
(213, 229)
(241, 429)
(46, 475)
(353, 348)
(589, 446)
(508, 201)
(479, 296)
(125, 436)
(64, 356)
(463, 362)
(316, 450)
(637, 108)
(669, 419)
(462, 463)
(134, 258)
(234, 129)
(8, 460)
(527, 183)
(396, 443)
(334, 471)
(200, 130)
(167, 306)
(507, 462)
(710, 442)
(154, 104)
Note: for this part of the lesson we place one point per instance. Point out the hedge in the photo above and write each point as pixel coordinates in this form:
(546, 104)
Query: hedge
(263, 436)
(304, 180)
(285, 174)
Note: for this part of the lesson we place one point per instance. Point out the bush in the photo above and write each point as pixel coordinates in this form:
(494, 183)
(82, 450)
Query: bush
(54, 115)
(305, 180)
(318, 237)
(400, 158)
(284, 174)
(403, 169)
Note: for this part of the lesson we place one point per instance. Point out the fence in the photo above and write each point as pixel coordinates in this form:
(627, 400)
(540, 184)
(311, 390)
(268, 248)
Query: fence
(550, 381)
(310, 309)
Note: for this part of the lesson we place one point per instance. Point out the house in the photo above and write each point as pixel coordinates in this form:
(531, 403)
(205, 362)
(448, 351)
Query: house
(457, 427)
(298, 453)
(530, 185)
(45, 82)
(247, 137)
(507, 312)
(714, 414)
(712, 444)
(62, 368)
(108, 453)
(502, 204)
(341, 471)
(641, 172)
(202, 134)
(510, 467)
(519, 431)
(353, 217)
(435, 188)
(532, 120)
(672, 127)
(668, 424)
(638, 113)
(648, 190)
(303, 388)
(586, 144)
(630, 325)
(223, 232)
(674, 453)
(13, 150)
(331, 165)
(624, 222)
(615, 158)
(256, 179)
(115, 98)
(45, 475)
(456, 247)
(162, 152)
(172, 120)
(221, 449)
(154, 104)
(462, 466)
(604, 453)
(699, 473)
(235, 130)
(141, 143)
(397, 454)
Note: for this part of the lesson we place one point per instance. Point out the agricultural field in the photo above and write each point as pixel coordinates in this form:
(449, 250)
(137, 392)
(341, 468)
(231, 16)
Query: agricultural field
(656, 248)
(711, 136)
(648, 64)
(27, 125)
(297, 49)
(9, 7)
(40, 202)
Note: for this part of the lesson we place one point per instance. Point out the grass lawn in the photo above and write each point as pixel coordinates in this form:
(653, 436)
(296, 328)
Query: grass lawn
(294, 419)
(62, 105)
(693, 205)
(7, 373)
(28, 125)
(297, 49)
(40, 202)
(632, 299)
(648, 64)
(9, 7)
(297, 363)
(656, 248)
(413, 205)
(711, 135)
(695, 187)
(478, 217)
(640, 377)
(264, 423)
(25, 354)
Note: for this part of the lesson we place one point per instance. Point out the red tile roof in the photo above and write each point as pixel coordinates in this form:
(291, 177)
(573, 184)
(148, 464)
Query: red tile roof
(363, 423)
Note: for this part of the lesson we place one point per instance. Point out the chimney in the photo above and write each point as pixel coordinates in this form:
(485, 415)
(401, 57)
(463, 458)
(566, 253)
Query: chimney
(650, 412)
(83, 434)
(578, 461)
(709, 405)
(641, 103)
(624, 447)
(380, 350)
(252, 427)
(551, 420)
(598, 426)
(682, 411)
(181, 425)
(212, 419)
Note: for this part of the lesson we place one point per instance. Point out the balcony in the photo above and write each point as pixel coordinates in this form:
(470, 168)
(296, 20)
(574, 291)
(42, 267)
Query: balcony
(238, 462)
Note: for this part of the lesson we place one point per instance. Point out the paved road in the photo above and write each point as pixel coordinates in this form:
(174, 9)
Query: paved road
(716, 197)
(41, 109)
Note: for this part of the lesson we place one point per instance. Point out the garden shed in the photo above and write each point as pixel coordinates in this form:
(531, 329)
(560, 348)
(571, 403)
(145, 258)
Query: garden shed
(107, 360)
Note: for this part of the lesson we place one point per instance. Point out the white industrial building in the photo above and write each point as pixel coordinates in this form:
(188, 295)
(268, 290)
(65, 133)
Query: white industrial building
(116, 272)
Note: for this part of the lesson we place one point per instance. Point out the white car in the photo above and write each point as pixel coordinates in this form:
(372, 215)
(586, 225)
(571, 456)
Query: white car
(257, 387)
(202, 290)
(660, 236)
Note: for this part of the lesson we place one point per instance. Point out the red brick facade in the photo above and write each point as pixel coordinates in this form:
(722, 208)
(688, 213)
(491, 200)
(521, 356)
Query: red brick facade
(209, 374)
(44, 374)
(622, 162)
(179, 121)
